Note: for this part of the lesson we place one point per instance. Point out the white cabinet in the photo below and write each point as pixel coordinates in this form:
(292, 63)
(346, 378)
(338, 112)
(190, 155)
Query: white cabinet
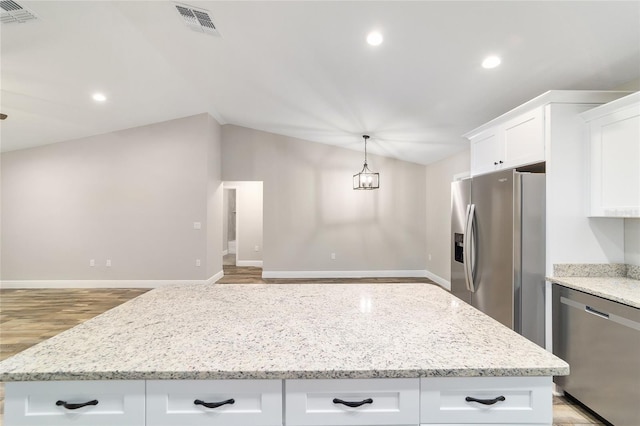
(523, 139)
(614, 139)
(516, 142)
(313, 402)
(352, 402)
(486, 155)
(486, 400)
(214, 402)
(77, 403)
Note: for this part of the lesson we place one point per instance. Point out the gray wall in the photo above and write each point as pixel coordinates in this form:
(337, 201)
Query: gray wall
(439, 176)
(131, 196)
(311, 210)
(632, 241)
(215, 192)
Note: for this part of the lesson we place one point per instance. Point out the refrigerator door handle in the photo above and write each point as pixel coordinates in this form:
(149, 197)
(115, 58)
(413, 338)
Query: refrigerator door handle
(465, 248)
(469, 250)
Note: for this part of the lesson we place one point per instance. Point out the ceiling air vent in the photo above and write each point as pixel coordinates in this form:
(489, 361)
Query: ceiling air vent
(197, 19)
(10, 11)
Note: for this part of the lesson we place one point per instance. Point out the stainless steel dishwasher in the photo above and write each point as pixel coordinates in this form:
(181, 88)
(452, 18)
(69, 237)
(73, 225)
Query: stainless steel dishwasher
(600, 340)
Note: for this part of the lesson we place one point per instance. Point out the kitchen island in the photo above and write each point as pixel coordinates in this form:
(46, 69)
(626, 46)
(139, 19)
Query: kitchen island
(413, 349)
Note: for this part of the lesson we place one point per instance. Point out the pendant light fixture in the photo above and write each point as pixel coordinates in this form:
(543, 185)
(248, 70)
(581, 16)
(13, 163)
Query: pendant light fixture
(366, 179)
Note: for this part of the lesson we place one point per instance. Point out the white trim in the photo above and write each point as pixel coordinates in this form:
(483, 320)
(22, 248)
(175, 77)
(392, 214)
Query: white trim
(553, 96)
(345, 274)
(257, 263)
(461, 176)
(214, 278)
(597, 112)
(103, 283)
(438, 280)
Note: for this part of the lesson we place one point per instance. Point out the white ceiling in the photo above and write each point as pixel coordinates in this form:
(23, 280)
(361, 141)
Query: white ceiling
(303, 69)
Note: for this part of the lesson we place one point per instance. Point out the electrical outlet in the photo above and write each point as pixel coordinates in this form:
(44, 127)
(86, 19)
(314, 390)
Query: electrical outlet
(256, 248)
(197, 225)
(429, 256)
(108, 263)
(333, 256)
(92, 262)
(198, 262)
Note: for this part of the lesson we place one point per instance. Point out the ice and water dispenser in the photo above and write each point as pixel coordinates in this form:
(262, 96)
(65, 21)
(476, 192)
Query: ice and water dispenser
(458, 243)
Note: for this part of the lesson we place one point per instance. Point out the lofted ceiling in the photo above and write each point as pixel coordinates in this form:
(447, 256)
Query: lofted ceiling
(304, 69)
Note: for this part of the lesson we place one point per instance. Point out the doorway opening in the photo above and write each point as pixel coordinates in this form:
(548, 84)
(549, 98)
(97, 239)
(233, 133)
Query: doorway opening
(229, 228)
(242, 228)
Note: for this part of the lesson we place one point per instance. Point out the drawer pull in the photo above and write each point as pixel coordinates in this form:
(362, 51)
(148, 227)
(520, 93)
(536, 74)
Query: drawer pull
(214, 404)
(353, 403)
(485, 401)
(71, 406)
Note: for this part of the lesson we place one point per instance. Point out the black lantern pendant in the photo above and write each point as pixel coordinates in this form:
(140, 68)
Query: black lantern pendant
(366, 179)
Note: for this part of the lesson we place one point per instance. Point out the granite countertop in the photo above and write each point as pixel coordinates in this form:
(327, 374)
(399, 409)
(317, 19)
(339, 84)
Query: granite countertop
(285, 331)
(616, 282)
(619, 289)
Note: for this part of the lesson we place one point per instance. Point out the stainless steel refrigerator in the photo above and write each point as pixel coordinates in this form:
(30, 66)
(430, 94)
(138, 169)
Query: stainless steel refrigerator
(497, 248)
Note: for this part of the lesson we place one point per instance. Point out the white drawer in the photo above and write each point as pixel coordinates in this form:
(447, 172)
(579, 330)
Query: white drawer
(255, 402)
(518, 400)
(36, 403)
(392, 402)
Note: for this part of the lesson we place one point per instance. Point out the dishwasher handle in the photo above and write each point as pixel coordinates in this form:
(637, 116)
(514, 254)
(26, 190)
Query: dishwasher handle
(596, 312)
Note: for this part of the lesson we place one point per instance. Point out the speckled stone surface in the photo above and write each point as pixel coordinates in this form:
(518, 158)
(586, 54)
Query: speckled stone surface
(633, 271)
(590, 270)
(285, 331)
(619, 289)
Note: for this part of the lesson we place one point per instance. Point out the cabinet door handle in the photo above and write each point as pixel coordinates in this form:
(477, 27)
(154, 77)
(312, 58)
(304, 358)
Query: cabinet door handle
(214, 404)
(486, 401)
(353, 403)
(500, 162)
(72, 406)
(495, 163)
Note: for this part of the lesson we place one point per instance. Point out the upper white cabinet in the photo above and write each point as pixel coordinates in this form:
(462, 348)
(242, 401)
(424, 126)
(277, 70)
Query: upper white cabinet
(614, 140)
(512, 143)
(523, 139)
(485, 152)
(523, 135)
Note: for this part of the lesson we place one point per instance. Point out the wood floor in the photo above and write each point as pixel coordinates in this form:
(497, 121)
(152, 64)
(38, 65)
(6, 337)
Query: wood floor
(253, 275)
(28, 317)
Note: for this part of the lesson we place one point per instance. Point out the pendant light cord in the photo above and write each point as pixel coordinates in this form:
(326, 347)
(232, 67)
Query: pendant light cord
(365, 148)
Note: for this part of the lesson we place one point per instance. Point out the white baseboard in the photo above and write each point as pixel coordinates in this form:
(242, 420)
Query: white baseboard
(214, 278)
(438, 280)
(103, 283)
(344, 274)
(257, 263)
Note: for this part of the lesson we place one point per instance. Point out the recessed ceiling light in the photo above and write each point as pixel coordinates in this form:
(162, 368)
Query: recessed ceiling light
(374, 38)
(491, 62)
(99, 97)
